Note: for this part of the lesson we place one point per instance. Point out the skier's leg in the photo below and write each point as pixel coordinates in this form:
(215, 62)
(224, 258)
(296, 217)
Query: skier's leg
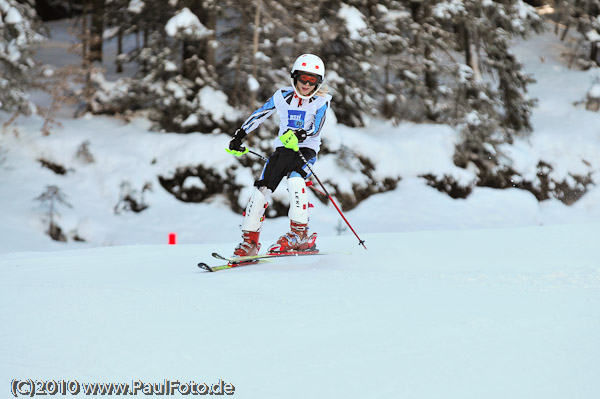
(255, 209)
(252, 222)
(297, 239)
(298, 200)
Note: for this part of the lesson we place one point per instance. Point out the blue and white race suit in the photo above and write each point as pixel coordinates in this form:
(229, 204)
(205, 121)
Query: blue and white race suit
(294, 113)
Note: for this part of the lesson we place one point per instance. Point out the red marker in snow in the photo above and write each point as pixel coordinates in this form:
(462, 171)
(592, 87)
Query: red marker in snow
(172, 238)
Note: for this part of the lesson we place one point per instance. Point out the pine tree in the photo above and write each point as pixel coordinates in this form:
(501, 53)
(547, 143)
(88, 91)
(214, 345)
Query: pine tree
(584, 17)
(119, 23)
(490, 100)
(416, 49)
(477, 116)
(171, 71)
(51, 198)
(207, 12)
(255, 56)
(388, 21)
(18, 38)
(349, 51)
(181, 110)
(97, 10)
(511, 18)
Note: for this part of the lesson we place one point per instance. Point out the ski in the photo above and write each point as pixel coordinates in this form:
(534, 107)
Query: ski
(235, 259)
(239, 261)
(230, 265)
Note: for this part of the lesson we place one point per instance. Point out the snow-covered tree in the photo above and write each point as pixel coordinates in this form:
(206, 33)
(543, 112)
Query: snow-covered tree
(510, 19)
(584, 17)
(420, 66)
(490, 101)
(349, 50)
(118, 23)
(256, 50)
(185, 27)
(180, 107)
(205, 45)
(51, 198)
(172, 78)
(477, 111)
(389, 23)
(18, 38)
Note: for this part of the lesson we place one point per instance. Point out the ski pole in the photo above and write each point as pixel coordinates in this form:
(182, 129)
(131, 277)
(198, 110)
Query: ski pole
(325, 193)
(259, 155)
(360, 242)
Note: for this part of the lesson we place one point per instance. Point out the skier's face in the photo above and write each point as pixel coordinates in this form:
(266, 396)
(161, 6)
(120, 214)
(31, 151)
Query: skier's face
(306, 82)
(304, 88)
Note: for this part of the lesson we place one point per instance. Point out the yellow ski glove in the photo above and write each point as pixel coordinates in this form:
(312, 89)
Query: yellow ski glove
(290, 140)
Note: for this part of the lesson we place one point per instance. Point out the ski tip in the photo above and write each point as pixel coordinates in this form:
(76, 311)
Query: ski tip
(205, 267)
(219, 256)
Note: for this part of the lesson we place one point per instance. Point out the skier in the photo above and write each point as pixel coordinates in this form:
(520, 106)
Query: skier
(301, 109)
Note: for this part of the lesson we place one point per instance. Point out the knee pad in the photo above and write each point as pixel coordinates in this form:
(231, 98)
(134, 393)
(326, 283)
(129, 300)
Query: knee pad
(298, 200)
(255, 210)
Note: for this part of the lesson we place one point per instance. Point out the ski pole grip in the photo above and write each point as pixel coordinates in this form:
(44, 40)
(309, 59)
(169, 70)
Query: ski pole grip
(290, 140)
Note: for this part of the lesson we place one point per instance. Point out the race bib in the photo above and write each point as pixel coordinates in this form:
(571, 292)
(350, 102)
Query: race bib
(296, 119)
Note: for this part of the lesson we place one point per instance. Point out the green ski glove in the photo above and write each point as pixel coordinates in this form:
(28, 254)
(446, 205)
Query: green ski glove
(237, 153)
(290, 140)
(235, 145)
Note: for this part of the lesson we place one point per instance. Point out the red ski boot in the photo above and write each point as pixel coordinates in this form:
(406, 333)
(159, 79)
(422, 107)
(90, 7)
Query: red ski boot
(296, 240)
(250, 246)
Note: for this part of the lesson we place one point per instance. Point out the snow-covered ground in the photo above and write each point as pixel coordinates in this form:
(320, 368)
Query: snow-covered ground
(495, 296)
(498, 313)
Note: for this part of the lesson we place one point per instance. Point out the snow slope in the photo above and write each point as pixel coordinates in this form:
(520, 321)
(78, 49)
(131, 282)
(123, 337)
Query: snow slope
(457, 314)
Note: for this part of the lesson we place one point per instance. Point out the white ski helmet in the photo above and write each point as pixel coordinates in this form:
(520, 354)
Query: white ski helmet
(312, 64)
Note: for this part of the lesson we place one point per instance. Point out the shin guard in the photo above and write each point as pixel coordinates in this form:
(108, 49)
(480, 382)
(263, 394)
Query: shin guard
(298, 200)
(255, 210)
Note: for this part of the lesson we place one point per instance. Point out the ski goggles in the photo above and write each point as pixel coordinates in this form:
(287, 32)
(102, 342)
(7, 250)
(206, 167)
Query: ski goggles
(307, 79)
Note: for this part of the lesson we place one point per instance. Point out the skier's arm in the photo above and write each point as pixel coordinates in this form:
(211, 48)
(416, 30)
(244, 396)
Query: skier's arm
(259, 115)
(315, 128)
